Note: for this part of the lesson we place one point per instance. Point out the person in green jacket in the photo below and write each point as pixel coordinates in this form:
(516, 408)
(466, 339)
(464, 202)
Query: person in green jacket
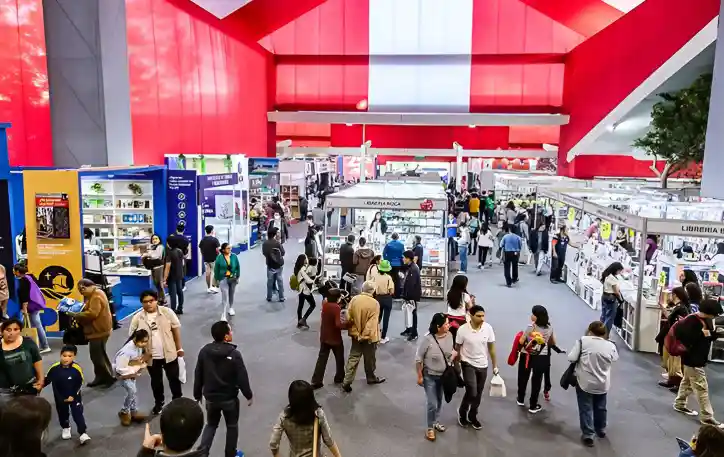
(226, 273)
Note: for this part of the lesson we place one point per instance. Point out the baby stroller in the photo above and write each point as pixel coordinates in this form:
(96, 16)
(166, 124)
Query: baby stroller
(324, 285)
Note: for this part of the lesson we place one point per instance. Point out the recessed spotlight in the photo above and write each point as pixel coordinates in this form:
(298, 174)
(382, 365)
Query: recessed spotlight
(472, 126)
(349, 125)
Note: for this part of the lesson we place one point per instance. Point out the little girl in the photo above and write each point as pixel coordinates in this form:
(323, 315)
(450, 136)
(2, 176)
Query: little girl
(128, 364)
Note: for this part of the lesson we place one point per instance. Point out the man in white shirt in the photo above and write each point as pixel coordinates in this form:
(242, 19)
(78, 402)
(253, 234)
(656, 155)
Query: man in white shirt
(475, 342)
(594, 355)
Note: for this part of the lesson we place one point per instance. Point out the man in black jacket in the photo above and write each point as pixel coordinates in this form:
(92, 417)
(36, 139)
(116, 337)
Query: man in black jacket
(220, 375)
(181, 423)
(274, 253)
(346, 259)
(696, 332)
(411, 291)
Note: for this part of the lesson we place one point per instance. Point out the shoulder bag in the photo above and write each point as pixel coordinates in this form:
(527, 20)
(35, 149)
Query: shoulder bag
(569, 376)
(449, 377)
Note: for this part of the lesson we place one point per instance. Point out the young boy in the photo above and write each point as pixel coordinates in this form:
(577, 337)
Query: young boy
(67, 379)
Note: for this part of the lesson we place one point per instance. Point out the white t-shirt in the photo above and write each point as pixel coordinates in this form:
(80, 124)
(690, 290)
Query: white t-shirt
(462, 310)
(474, 344)
(611, 280)
(156, 339)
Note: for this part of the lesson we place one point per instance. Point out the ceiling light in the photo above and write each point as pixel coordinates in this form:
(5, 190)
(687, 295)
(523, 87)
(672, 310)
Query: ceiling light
(472, 126)
(349, 125)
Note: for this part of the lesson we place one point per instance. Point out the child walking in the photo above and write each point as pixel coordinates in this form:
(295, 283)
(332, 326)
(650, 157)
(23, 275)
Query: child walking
(66, 377)
(128, 365)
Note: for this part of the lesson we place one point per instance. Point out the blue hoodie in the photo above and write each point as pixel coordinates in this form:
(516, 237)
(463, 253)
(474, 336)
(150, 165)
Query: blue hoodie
(393, 252)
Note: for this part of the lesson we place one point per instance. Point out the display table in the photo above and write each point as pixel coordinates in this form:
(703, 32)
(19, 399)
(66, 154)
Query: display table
(133, 280)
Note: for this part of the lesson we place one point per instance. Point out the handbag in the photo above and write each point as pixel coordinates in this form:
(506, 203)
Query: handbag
(449, 377)
(315, 440)
(28, 331)
(569, 376)
(407, 309)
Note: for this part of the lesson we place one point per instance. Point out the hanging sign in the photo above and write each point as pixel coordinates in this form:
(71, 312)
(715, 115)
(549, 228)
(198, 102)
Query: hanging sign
(182, 209)
(376, 203)
(605, 230)
(612, 215)
(571, 214)
(686, 228)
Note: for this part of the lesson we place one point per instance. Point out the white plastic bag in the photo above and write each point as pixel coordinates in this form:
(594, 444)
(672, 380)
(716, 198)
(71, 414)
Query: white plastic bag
(407, 309)
(497, 387)
(182, 370)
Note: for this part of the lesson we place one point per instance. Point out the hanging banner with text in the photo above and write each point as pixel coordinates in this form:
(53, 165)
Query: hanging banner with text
(181, 195)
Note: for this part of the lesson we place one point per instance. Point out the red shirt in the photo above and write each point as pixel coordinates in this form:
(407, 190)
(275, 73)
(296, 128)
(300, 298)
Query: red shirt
(331, 329)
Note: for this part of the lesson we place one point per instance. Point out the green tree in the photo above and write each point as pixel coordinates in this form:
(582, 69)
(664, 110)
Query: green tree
(678, 128)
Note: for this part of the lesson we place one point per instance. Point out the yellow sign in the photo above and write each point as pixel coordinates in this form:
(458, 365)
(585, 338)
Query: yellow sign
(605, 230)
(55, 241)
(662, 279)
(571, 214)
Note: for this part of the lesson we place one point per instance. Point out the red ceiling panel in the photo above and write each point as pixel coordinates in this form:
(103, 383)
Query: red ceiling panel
(24, 99)
(420, 137)
(586, 17)
(534, 134)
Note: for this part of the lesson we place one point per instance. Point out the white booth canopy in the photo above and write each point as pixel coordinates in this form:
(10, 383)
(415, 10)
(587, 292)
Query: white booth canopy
(403, 194)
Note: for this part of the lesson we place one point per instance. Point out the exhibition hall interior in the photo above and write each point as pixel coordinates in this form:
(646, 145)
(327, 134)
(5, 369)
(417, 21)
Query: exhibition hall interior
(510, 211)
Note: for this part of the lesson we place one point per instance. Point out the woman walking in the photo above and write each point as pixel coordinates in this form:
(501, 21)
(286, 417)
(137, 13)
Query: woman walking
(486, 241)
(153, 260)
(226, 273)
(32, 303)
(459, 302)
(373, 271)
(534, 357)
(384, 292)
(4, 293)
(463, 243)
(24, 366)
(611, 294)
(305, 278)
(303, 421)
(433, 356)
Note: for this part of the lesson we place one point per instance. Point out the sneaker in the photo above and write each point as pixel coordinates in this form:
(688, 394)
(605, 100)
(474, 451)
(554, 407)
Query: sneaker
(209, 291)
(713, 422)
(480, 266)
(84, 438)
(601, 434)
(384, 340)
(462, 421)
(157, 410)
(304, 325)
(180, 312)
(685, 410)
(184, 289)
(412, 338)
(588, 442)
(520, 403)
(214, 290)
(65, 434)
(232, 312)
(475, 423)
(347, 388)
(317, 386)
(377, 380)
(406, 332)
(46, 351)
(535, 409)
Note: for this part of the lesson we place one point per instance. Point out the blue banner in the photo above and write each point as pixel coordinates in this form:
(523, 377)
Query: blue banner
(182, 208)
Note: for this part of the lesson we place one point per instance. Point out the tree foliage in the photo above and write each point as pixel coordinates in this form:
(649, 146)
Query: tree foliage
(678, 127)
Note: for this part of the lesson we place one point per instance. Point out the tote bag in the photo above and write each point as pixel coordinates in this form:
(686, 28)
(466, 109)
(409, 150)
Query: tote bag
(569, 376)
(28, 331)
(449, 377)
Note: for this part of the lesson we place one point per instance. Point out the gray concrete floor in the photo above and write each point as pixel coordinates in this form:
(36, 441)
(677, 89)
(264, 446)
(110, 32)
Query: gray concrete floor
(388, 420)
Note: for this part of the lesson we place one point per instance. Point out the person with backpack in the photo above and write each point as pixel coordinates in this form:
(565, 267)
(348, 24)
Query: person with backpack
(330, 340)
(302, 280)
(32, 303)
(694, 334)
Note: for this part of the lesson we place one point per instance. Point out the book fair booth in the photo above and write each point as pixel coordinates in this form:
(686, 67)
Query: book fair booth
(409, 207)
(684, 234)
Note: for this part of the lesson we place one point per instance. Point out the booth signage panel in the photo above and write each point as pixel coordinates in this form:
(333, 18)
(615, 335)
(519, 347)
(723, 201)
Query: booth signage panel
(617, 217)
(56, 262)
(686, 228)
(224, 179)
(6, 236)
(380, 203)
(570, 201)
(182, 209)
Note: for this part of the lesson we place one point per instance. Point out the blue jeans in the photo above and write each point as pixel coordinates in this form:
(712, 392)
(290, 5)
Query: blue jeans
(131, 400)
(591, 412)
(609, 305)
(176, 293)
(274, 282)
(433, 392)
(464, 258)
(38, 325)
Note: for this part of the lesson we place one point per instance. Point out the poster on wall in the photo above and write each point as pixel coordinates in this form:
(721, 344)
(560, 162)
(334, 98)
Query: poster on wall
(52, 216)
(257, 165)
(182, 209)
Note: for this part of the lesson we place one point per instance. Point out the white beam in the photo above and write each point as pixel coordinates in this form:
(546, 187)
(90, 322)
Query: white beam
(446, 119)
(481, 153)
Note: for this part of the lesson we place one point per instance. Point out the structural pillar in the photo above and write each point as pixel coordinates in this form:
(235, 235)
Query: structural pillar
(90, 104)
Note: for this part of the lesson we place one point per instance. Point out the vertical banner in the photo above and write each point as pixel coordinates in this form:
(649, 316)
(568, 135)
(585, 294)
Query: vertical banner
(55, 240)
(711, 183)
(182, 209)
(6, 236)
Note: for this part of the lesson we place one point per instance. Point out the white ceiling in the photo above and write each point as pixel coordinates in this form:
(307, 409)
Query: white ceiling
(624, 5)
(221, 8)
(618, 138)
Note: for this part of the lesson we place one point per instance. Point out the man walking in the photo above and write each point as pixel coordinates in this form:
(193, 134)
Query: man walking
(179, 241)
(411, 292)
(511, 245)
(346, 260)
(173, 276)
(274, 253)
(220, 376)
(97, 325)
(209, 247)
(364, 330)
(475, 342)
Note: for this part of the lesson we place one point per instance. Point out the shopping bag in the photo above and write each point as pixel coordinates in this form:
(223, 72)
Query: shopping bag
(497, 387)
(407, 309)
(182, 370)
(28, 331)
(541, 261)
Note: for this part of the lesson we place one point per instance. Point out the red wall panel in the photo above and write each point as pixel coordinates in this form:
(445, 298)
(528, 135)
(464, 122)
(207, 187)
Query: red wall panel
(420, 137)
(604, 70)
(24, 99)
(194, 90)
(586, 17)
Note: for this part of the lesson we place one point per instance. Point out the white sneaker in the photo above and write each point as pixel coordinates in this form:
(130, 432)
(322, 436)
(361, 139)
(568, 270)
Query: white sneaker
(184, 289)
(46, 351)
(209, 291)
(232, 312)
(84, 438)
(214, 290)
(65, 434)
(384, 340)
